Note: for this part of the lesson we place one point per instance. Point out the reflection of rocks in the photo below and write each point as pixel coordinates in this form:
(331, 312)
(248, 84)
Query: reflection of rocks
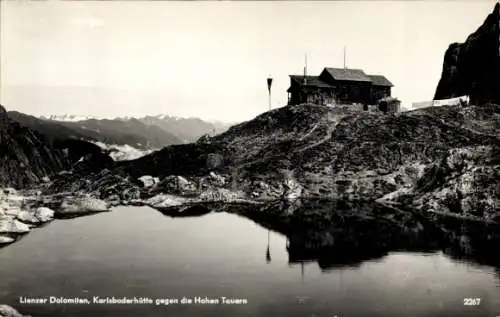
(337, 232)
(195, 210)
(219, 195)
(7, 311)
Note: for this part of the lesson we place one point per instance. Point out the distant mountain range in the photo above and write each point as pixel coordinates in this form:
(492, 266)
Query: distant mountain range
(132, 132)
(187, 129)
(122, 138)
(180, 130)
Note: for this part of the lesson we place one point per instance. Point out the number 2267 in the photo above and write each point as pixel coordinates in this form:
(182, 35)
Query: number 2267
(472, 301)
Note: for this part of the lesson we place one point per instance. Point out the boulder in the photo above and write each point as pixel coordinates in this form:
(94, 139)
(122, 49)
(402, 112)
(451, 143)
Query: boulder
(164, 201)
(7, 311)
(213, 179)
(293, 189)
(130, 193)
(44, 214)
(11, 225)
(6, 240)
(27, 217)
(114, 200)
(176, 184)
(148, 180)
(11, 211)
(82, 205)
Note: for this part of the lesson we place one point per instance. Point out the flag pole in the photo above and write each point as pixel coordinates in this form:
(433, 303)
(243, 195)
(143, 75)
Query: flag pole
(269, 83)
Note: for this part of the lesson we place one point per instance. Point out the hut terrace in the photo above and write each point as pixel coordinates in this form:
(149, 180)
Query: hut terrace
(338, 86)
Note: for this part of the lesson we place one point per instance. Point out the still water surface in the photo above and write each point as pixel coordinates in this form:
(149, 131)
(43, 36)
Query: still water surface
(140, 252)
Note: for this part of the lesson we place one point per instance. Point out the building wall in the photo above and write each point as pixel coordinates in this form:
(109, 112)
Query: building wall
(344, 92)
(299, 95)
(350, 92)
(321, 96)
(379, 92)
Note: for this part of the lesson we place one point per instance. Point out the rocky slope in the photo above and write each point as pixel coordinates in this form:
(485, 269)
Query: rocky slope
(326, 152)
(315, 152)
(28, 157)
(473, 67)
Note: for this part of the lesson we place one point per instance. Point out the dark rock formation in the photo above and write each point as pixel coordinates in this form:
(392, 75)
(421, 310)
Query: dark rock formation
(27, 156)
(473, 68)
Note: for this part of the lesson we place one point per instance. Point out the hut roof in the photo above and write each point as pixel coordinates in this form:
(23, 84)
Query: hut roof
(346, 74)
(313, 81)
(379, 80)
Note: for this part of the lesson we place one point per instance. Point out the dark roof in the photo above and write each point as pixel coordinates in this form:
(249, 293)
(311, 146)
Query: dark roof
(347, 74)
(313, 81)
(379, 80)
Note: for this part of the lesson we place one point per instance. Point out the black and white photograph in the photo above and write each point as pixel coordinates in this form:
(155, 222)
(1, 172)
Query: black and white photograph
(249, 158)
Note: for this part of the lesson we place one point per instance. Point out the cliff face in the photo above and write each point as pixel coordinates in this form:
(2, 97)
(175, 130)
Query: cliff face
(27, 156)
(473, 68)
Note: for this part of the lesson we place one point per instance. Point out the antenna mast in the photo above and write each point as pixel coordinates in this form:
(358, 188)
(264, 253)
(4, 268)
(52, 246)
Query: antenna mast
(305, 69)
(344, 58)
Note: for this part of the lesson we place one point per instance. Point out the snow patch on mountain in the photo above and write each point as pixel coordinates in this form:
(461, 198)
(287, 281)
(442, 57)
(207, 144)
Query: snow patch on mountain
(123, 152)
(70, 118)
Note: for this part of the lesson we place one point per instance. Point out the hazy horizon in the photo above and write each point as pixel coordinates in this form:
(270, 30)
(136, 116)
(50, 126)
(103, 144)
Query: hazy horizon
(211, 59)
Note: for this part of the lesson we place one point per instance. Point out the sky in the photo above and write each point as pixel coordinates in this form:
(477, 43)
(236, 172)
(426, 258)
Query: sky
(210, 59)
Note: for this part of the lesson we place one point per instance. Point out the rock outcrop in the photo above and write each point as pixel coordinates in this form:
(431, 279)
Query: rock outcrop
(28, 157)
(463, 183)
(25, 155)
(473, 68)
(308, 151)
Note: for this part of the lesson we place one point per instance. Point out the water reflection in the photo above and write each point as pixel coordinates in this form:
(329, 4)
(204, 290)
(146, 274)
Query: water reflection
(140, 252)
(268, 250)
(339, 234)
